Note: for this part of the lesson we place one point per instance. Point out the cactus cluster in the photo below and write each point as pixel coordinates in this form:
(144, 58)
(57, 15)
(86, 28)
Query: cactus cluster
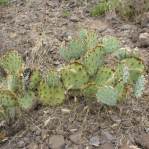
(107, 84)
(86, 72)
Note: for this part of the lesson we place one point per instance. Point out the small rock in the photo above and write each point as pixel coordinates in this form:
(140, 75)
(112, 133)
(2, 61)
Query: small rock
(38, 132)
(56, 141)
(144, 40)
(116, 119)
(107, 146)
(108, 135)
(44, 146)
(21, 144)
(65, 111)
(33, 146)
(94, 141)
(145, 20)
(126, 146)
(74, 19)
(143, 141)
(75, 137)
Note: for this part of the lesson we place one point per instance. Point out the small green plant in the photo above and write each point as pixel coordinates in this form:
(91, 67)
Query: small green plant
(126, 9)
(66, 13)
(100, 9)
(4, 2)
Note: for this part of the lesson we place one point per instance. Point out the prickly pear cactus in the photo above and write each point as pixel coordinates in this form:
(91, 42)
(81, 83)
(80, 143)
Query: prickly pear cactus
(121, 90)
(14, 83)
(53, 78)
(139, 86)
(123, 53)
(74, 50)
(89, 90)
(74, 76)
(104, 76)
(93, 59)
(91, 40)
(51, 95)
(12, 62)
(135, 68)
(26, 102)
(110, 44)
(34, 80)
(107, 95)
(77, 47)
(8, 102)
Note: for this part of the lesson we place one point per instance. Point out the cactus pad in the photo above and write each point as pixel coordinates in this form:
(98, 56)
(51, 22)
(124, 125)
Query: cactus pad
(139, 86)
(110, 44)
(93, 59)
(51, 95)
(135, 68)
(12, 62)
(26, 101)
(34, 80)
(8, 103)
(14, 83)
(107, 95)
(91, 40)
(120, 87)
(53, 78)
(89, 90)
(74, 50)
(104, 76)
(74, 76)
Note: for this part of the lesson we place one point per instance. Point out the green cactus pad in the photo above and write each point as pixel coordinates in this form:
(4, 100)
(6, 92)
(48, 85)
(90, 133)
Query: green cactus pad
(91, 40)
(53, 78)
(123, 53)
(34, 80)
(104, 76)
(74, 76)
(107, 95)
(89, 90)
(93, 59)
(12, 62)
(139, 86)
(74, 50)
(26, 102)
(14, 83)
(7, 98)
(51, 95)
(8, 104)
(135, 68)
(120, 87)
(110, 44)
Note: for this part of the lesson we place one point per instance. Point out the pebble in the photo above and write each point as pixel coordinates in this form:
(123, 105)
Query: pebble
(21, 144)
(76, 137)
(33, 146)
(143, 140)
(74, 19)
(94, 141)
(56, 141)
(107, 146)
(144, 40)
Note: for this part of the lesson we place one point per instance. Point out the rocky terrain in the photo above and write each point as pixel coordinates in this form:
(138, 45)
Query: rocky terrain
(37, 28)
